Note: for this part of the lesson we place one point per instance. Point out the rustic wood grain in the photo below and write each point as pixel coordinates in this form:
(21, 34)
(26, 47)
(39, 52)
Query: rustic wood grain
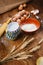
(6, 5)
(6, 45)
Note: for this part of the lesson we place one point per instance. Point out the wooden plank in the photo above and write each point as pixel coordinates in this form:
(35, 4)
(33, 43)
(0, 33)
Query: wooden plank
(6, 5)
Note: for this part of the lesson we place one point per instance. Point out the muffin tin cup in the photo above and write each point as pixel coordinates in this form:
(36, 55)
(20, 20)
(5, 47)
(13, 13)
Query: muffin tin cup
(12, 35)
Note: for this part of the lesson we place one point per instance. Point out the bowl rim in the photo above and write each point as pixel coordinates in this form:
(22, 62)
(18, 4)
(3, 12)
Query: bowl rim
(27, 23)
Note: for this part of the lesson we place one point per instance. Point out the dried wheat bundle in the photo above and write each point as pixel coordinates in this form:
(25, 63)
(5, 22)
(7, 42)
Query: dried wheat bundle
(32, 50)
(13, 50)
(27, 52)
(21, 47)
(16, 55)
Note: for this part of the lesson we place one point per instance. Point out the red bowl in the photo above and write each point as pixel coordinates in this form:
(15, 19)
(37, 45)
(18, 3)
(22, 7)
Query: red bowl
(30, 21)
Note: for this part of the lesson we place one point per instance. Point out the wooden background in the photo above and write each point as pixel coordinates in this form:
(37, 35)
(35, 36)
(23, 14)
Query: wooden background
(6, 5)
(6, 45)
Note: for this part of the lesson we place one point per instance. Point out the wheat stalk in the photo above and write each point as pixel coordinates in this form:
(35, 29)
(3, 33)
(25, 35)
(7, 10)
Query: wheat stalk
(40, 41)
(18, 58)
(27, 52)
(34, 49)
(24, 57)
(17, 50)
(24, 45)
(12, 50)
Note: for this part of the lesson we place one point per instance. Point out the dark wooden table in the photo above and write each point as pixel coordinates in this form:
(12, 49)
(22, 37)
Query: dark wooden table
(6, 45)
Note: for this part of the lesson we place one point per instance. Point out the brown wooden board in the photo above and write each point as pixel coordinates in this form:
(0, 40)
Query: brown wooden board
(10, 4)
(6, 45)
